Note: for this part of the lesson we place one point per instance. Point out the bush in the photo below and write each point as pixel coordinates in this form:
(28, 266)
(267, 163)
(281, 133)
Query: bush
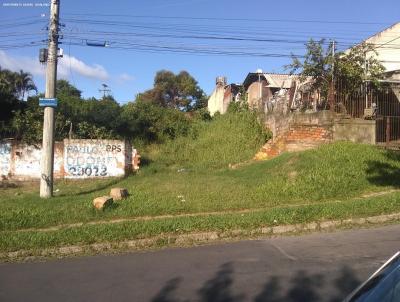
(230, 138)
(151, 123)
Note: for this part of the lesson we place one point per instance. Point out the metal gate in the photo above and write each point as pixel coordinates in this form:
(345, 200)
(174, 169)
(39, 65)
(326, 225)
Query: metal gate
(388, 130)
(381, 104)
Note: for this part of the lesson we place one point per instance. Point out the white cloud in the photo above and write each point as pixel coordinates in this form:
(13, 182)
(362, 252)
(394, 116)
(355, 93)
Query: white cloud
(66, 66)
(69, 64)
(124, 77)
(19, 62)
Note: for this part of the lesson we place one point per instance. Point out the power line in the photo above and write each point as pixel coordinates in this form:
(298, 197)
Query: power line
(229, 19)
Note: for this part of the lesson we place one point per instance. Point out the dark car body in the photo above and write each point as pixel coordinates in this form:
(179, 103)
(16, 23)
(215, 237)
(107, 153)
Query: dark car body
(382, 286)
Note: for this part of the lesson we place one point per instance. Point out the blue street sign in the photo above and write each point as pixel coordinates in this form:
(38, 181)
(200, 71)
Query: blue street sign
(48, 102)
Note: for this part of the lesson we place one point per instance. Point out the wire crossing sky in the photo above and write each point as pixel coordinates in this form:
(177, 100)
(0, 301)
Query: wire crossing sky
(204, 37)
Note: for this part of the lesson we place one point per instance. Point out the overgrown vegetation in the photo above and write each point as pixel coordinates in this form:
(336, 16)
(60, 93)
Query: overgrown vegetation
(327, 183)
(194, 166)
(227, 139)
(156, 115)
(323, 64)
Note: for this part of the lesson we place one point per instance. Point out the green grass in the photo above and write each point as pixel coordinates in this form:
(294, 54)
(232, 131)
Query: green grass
(192, 175)
(89, 234)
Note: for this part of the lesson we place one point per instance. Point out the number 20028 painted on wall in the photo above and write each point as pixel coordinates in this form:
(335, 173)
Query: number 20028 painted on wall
(88, 171)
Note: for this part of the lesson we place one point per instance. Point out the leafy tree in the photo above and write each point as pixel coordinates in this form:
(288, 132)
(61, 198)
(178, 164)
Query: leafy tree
(89, 118)
(317, 64)
(7, 81)
(104, 113)
(27, 125)
(63, 87)
(358, 65)
(179, 91)
(9, 100)
(151, 123)
(347, 67)
(143, 120)
(23, 82)
(87, 130)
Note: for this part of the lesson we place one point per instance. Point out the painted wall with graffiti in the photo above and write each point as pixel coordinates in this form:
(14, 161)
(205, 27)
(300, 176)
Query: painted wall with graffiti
(5, 159)
(100, 158)
(26, 160)
(72, 159)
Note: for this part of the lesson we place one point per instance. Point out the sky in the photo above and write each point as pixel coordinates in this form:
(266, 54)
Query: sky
(207, 38)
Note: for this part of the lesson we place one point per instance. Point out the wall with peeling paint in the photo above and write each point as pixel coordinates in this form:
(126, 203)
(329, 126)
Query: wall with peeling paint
(100, 158)
(72, 159)
(5, 159)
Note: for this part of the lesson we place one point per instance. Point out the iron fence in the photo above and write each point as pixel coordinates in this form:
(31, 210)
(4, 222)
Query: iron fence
(380, 103)
(388, 130)
(383, 100)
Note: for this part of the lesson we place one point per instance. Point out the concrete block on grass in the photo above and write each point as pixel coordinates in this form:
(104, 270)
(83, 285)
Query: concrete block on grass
(119, 193)
(102, 202)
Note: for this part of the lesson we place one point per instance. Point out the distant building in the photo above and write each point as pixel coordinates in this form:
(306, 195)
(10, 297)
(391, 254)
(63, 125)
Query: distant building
(222, 95)
(387, 46)
(268, 91)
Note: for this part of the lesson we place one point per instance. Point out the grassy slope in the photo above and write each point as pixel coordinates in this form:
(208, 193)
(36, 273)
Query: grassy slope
(313, 179)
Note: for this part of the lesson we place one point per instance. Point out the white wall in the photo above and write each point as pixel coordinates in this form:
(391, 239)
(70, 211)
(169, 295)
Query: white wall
(5, 159)
(72, 159)
(387, 44)
(216, 100)
(97, 158)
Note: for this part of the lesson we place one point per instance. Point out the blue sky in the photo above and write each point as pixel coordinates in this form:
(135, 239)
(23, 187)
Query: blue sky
(147, 36)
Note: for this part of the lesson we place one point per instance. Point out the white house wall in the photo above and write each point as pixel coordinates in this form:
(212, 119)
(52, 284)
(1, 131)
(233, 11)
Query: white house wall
(216, 101)
(387, 44)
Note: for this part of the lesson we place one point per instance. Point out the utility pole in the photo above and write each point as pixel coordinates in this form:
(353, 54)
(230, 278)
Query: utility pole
(333, 59)
(331, 94)
(105, 90)
(365, 79)
(47, 161)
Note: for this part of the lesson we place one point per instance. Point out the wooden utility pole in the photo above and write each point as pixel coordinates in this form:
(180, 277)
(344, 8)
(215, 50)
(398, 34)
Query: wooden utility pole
(331, 91)
(105, 90)
(47, 161)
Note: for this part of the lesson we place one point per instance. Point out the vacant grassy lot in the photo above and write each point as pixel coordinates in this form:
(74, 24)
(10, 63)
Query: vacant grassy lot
(332, 182)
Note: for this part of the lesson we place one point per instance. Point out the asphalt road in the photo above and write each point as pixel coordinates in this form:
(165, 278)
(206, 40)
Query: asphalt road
(317, 267)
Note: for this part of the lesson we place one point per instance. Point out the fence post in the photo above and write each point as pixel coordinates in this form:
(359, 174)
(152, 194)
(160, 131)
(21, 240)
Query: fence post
(387, 130)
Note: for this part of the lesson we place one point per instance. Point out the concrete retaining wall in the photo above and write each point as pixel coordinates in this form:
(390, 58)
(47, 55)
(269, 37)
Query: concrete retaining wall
(72, 159)
(302, 131)
(355, 130)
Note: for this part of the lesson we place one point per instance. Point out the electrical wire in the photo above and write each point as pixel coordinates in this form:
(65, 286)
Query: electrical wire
(229, 19)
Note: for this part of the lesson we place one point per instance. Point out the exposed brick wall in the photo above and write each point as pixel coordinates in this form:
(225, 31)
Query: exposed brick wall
(309, 132)
(297, 132)
(302, 131)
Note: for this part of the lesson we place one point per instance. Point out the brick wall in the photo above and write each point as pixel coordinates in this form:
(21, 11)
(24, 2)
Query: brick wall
(302, 131)
(309, 132)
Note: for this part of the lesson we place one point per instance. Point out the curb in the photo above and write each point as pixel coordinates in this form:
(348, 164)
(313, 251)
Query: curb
(169, 240)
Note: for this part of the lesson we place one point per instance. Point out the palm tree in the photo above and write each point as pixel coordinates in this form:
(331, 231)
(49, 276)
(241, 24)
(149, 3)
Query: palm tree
(23, 83)
(7, 83)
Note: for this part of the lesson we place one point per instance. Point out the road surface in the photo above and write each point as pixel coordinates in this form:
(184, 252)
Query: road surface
(316, 267)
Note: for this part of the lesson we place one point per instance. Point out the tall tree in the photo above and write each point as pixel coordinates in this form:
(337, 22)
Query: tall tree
(9, 101)
(317, 64)
(64, 87)
(24, 84)
(352, 67)
(180, 91)
(358, 65)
